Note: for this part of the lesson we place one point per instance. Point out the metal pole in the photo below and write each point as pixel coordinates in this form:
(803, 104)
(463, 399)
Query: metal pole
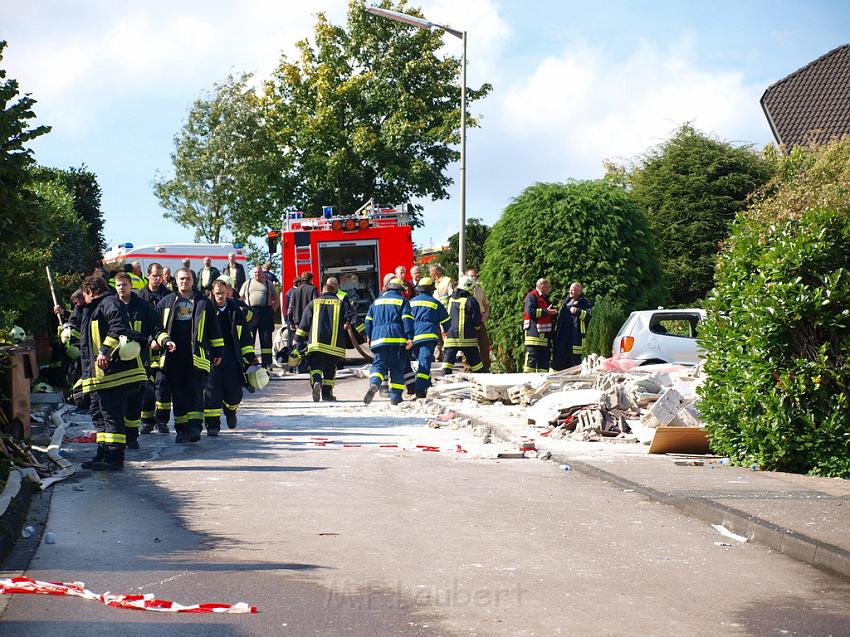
(461, 239)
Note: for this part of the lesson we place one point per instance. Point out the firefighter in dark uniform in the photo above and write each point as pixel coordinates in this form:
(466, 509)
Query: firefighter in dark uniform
(348, 310)
(189, 335)
(323, 326)
(107, 380)
(155, 413)
(223, 391)
(143, 322)
(430, 318)
(573, 320)
(537, 323)
(390, 328)
(464, 324)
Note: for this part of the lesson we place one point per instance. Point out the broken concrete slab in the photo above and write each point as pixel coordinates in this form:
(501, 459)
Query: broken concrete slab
(546, 410)
(664, 410)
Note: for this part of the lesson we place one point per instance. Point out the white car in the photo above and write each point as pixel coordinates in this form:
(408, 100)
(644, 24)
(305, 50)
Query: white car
(660, 336)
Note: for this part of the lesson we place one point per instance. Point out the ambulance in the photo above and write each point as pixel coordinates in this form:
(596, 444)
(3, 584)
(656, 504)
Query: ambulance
(357, 248)
(171, 255)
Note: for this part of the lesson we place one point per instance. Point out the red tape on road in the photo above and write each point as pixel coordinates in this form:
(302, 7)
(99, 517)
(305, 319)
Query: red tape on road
(26, 585)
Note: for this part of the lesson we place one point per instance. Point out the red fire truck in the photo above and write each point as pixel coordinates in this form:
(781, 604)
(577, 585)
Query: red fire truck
(358, 248)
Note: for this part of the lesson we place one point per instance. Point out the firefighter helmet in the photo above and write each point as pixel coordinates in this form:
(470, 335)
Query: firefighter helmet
(295, 357)
(395, 284)
(425, 284)
(257, 376)
(127, 349)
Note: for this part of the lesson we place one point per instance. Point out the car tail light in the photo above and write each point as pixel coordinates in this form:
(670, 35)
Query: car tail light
(627, 343)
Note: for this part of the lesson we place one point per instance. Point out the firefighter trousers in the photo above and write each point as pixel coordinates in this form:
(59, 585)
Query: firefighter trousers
(265, 327)
(473, 357)
(108, 410)
(187, 396)
(162, 399)
(133, 415)
(409, 374)
(148, 415)
(323, 370)
(536, 358)
(424, 359)
(223, 390)
(389, 361)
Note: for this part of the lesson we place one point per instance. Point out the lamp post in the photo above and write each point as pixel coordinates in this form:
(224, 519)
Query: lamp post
(426, 24)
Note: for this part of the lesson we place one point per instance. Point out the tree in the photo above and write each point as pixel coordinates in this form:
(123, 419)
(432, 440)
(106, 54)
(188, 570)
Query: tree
(370, 110)
(17, 200)
(777, 335)
(476, 237)
(589, 231)
(227, 181)
(691, 187)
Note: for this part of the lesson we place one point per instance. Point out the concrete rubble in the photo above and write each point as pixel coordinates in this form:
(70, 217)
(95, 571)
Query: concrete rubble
(596, 401)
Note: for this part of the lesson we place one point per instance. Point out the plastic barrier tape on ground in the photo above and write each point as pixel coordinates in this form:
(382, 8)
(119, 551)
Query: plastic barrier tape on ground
(25, 585)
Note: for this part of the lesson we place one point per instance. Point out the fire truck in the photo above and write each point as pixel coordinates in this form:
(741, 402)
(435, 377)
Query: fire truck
(358, 249)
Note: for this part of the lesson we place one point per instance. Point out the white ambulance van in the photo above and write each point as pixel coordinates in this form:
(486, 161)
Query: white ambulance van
(171, 255)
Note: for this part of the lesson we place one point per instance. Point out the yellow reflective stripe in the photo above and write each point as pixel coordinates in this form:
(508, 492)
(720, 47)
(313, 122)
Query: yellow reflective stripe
(328, 383)
(239, 332)
(195, 415)
(146, 415)
(114, 380)
(369, 318)
(430, 304)
(446, 320)
(581, 325)
(201, 362)
(247, 349)
(230, 407)
(96, 342)
(396, 386)
(385, 301)
(327, 349)
(181, 420)
(475, 368)
(576, 349)
(377, 375)
(106, 437)
(132, 424)
(360, 328)
(423, 376)
(137, 325)
(538, 341)
(217, 342)
(388, 340)
(300, 332)
(422, 337)
(410, 316)
(162, 406)
(461, 342)
(212, 413)
(201, 326)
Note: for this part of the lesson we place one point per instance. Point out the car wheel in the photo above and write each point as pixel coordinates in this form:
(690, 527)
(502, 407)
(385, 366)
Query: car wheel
(654, 361)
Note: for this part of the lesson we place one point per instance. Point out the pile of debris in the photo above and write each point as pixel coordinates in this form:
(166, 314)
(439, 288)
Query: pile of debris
(595, 401)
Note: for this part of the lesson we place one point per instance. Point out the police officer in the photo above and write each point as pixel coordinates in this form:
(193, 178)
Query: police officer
(429, 318)
(189, 335)
(573, 320)
(464, 323)
(143, 322)
(389, 327)
(537, 323)
(223, 391)
(107, 380)
(155, 413)
(323, 326)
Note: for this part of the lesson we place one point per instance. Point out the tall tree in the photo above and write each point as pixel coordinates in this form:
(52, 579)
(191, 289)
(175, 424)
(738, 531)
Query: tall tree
(476, 237)
(17, 201)
(226, 182)
(370, 109)
(691, 187)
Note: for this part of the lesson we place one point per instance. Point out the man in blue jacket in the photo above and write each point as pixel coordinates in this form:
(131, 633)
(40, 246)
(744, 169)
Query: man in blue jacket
(429, 318)
(390, 329)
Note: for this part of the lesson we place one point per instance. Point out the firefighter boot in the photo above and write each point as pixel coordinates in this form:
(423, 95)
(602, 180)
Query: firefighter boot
(113, 459)
(421, 393)
(230, 417)
(213, 426)
(147, 427)
(133, 438)
(317, 391)
(328, 395)
(370, 394)
(98, 456)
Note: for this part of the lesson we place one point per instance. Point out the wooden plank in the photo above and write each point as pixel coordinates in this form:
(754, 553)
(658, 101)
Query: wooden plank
(679, 440)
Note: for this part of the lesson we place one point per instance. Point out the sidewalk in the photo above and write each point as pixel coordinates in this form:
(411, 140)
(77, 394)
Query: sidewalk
(804, 517)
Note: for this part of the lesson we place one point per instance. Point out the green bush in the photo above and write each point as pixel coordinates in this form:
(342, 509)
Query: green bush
(777, 336)
(590, 231)
(606, 320)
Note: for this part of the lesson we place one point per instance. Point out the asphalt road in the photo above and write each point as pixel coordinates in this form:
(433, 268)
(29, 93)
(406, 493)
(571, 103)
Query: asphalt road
(328, 539)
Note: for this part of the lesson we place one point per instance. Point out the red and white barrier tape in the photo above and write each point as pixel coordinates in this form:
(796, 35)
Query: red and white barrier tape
(26, 585)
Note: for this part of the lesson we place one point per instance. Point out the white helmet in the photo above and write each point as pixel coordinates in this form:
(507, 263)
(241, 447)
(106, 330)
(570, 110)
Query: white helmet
(466, 282)
(18, 334)
(127, 349)
(257, 376)
(65, 334)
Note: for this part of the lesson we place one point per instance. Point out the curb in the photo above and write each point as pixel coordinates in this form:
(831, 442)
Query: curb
(808, 550)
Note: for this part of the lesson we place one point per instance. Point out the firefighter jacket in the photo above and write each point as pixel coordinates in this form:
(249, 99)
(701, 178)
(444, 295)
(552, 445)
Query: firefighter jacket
(429, 318)
(389, 321)
(232, 322)
(72, 324)
(143, 321)
(536, 320)
(358, 326)
(102, 322)
(465, 320)
(207, 341)
(153, 297)
(322, 325)
(572, 328)
(248, 313)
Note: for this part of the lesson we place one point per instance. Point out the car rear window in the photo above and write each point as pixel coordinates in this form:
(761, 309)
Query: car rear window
(681, 325)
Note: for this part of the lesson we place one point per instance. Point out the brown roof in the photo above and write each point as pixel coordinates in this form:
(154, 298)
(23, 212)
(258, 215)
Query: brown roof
(813, 103)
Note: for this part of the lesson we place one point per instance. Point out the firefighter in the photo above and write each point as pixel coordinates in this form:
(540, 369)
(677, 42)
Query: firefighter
(390, 328)
(462, 332)
(429, 318)
(155, 412)
(143, 322)
(354, 322)
(136, 281)
(107, 380)
(537, 323)
(573, 320)
(189, 335)
(223, 391)
(323, 326)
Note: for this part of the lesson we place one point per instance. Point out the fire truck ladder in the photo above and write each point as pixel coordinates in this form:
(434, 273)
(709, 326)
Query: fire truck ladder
(303, 252)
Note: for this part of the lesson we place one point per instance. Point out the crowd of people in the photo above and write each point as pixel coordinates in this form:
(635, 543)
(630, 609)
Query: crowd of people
(153, 346)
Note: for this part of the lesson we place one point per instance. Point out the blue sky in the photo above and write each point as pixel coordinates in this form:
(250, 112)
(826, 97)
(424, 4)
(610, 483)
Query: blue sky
(575, 83)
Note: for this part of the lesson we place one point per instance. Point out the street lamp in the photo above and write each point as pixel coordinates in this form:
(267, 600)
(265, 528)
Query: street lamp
(427, 24)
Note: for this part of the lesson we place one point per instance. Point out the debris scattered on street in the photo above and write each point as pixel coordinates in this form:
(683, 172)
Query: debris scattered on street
(727, 533)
